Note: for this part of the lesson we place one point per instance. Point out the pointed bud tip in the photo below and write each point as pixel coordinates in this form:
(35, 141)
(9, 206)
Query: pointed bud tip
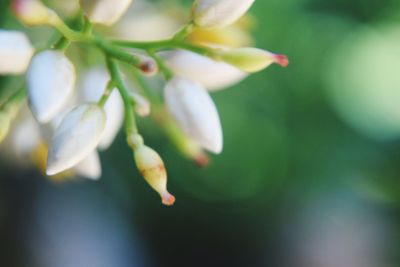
(167, 199)
(281, 60)
(148, 67)
(202, 160)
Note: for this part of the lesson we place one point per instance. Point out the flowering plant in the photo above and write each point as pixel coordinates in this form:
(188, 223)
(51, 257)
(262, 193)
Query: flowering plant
(74, 125)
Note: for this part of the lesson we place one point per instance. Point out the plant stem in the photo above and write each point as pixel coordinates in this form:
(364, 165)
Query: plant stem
(130, 122)
(106, 94)
(163, 68)
(168, 44)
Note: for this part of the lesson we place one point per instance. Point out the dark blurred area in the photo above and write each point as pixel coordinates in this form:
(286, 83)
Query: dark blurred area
(309, 175)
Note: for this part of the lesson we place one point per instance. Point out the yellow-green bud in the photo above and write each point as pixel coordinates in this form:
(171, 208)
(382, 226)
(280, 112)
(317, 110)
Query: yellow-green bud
(4, 125)
(33, 12)
(251, 59)
(152, 168)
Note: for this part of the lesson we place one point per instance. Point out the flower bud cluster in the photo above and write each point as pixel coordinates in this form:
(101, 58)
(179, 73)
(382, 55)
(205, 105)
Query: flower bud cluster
(73, 116)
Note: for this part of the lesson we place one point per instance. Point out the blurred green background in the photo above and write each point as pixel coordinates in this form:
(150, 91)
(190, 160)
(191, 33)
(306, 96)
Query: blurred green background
(309, 175)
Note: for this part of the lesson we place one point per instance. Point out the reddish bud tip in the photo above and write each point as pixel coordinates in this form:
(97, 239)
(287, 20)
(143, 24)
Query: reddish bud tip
(149, 67)
(202, 160)
(281, 60)
(168, 199)
(17, 6)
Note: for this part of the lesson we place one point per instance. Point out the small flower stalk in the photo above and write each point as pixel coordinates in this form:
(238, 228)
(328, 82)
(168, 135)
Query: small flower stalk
(78, 100)
(152, 168)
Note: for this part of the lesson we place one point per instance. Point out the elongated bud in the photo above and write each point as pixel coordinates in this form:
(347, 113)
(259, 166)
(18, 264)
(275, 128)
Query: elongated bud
(195, 112)
(152, 168)
(142, 104)
(251, 60)
(105, 12)
(213, 75)
(77, 136)
(89, 167)
(219, 13)
(32, 12)
(94, 83)
(4, 125)
(50, 79)
(16, 52)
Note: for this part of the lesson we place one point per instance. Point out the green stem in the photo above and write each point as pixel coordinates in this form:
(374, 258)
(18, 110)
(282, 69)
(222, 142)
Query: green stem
(182, 33)
(148, 92)
(168, 44)
(67, 32)
(130, 122)
(106, 94)
(161, 65)
(117, 53)
(12, 104)
(62, 44)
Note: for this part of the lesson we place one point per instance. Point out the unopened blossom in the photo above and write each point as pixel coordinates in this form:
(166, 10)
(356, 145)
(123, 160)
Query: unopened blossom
(16, 52)
(78, 135)
(142, 104)
(251, 59)
(32, 12)
(193, 109)
(212, 74)
(94, 83)
(152, 168)
(4, 125)
(50, 80)
(219, 13)
(105, 12)
(89, 167)
(235, 35)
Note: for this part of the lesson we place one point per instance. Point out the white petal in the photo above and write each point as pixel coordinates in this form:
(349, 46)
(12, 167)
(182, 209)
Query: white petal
(219, 13)
(90, 167)
(93, 85)
(78, 135)
(15, 52)
(195, 112)
(212, 74)
(51, 80)
(25, 137)
(105, 12)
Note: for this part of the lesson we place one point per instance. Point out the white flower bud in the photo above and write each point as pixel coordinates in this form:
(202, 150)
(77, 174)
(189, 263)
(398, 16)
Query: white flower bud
(105, 12)
(252, 59)
(32, 12)
(50, 80)
(214, 75)
(152, 168)
(90, 167)
(142, 104)
(16, 52)
(77, 136)
(195, 112)
(93, 85)
(219, 13)
(4, 125)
